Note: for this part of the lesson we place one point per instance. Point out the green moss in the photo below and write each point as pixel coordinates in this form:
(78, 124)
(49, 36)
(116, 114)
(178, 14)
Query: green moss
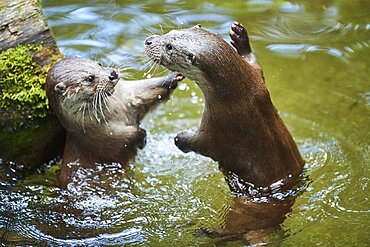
(22, 81)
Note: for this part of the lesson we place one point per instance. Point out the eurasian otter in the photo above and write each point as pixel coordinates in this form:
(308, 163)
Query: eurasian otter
(100, 112)
(240, 127)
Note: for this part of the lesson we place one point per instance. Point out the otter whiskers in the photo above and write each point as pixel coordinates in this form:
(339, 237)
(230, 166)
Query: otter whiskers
(100, 95)
(106, 100)
(82, 110)
(94, 107)
(153, 66)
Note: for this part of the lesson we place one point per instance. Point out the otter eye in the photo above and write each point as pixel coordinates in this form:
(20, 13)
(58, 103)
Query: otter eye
(90, 78)
(169, 47)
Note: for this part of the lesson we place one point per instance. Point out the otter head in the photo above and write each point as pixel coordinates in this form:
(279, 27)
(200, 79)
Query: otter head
(75, 84)
(81, 79)
(193, 52)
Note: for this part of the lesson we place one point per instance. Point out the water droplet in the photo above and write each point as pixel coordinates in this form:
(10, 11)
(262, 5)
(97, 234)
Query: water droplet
(182, 86)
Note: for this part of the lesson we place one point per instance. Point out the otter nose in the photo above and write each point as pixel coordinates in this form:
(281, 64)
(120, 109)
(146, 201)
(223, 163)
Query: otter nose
(113, 75)
(149, 40)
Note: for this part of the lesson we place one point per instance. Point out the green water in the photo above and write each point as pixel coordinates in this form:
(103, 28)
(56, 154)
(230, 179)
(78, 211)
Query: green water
(315, 56)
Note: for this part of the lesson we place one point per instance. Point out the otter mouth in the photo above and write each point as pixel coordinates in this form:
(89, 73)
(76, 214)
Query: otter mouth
(155, 56)
(107, 87)
(110, 92)
(158, 61)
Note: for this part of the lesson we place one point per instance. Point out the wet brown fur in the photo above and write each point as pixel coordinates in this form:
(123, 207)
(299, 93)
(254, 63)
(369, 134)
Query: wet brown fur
(111, 133)
(240, 127)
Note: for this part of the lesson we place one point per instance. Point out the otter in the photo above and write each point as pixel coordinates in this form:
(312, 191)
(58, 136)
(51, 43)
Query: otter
(240, 127)
(100, 112)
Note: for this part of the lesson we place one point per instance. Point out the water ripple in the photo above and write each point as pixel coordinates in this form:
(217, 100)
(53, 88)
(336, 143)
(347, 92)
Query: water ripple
(124, 237)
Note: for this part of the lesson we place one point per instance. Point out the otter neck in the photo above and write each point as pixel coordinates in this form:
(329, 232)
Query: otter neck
(229, 79)
(89, 112)
(221, 89)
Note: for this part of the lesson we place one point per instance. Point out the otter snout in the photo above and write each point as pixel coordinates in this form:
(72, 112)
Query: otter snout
(152, 47)
(149, 40)
(113, 75)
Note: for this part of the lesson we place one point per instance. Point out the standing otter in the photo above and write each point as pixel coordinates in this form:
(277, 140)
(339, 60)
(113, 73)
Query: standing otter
(100, 113)
(240, 127)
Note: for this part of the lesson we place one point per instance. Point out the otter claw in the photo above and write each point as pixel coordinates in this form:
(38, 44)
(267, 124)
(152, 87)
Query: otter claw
(239, 39)
(141, 138)
(172, 80)
(179, 77)
(238, 28)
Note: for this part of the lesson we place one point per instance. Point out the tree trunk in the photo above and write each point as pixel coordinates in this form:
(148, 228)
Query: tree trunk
(26, 137)
(22, 22)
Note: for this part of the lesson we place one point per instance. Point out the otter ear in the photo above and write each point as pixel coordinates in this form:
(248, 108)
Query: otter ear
(191, 58)
(60, 87)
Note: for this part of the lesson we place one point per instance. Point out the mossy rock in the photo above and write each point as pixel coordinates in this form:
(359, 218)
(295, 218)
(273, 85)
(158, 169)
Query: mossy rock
(34, 144)
(29, 132)
(22, 81)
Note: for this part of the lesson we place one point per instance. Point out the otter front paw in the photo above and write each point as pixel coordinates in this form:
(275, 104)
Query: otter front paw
(183, 141)
(239, 39)
(171, 81)
(141, 138)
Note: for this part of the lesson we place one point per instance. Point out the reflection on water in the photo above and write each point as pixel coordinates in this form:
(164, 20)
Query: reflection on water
(315, 59)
